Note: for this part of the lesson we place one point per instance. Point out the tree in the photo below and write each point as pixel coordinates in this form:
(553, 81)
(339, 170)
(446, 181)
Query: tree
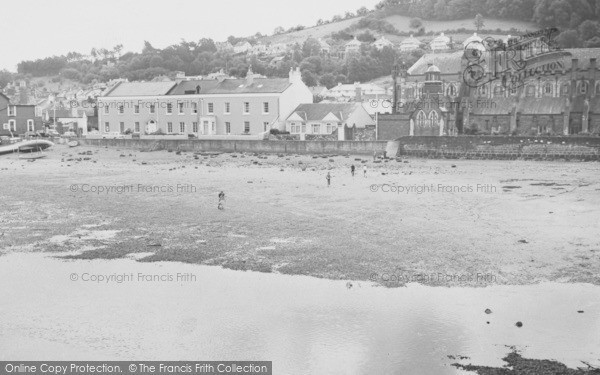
(327, 80)
(309, 78)
(589, 29)
(415, 23)
(279, 30)
(362, 11)
(348, 15)
(311, 47)
(320, 22)
(568, 39)
(479, 22)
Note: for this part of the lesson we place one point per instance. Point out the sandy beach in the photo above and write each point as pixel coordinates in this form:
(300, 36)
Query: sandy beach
(435, 222)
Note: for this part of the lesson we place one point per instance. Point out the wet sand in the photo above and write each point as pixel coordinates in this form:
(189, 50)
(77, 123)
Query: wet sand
(514, 222)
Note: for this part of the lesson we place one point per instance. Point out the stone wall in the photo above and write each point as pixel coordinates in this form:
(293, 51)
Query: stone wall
(501, 147)
(275, 147)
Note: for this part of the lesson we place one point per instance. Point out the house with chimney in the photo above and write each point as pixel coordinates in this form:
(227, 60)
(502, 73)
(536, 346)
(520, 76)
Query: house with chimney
(409, 44)
(18, 119)
(203, 108)
(331, 121)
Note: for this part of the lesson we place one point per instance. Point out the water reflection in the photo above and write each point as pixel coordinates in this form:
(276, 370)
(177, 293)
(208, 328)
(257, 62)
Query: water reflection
(304, 325)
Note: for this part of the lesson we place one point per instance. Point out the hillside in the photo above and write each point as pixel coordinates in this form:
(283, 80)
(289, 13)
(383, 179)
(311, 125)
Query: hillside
(401, 23)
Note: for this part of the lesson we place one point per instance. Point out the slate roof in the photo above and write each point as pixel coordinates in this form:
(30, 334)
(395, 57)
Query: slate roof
(449, 63)
(541, 106)
(233, 86)
(317, 111)
(140, 89)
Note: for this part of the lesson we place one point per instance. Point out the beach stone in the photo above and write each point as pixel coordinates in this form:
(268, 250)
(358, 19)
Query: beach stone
(519, 324)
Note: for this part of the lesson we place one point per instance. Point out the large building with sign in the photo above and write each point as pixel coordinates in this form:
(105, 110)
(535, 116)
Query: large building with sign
(550, 93)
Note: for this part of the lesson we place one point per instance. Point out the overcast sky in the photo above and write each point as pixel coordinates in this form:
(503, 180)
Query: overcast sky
(31, 29)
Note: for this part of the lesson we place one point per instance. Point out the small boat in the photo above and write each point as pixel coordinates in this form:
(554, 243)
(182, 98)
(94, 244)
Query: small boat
(25, 146)
(32, 156)
(73, 143)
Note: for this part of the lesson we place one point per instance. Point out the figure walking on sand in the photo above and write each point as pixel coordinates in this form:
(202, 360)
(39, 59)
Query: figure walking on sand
(352, 169)
(328, 177)
(365, 171)
(221, 205)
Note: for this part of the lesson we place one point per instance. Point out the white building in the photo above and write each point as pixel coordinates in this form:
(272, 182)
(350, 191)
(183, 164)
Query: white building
(440, 43)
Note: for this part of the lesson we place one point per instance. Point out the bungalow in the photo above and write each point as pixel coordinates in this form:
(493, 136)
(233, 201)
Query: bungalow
(352, 47)
(410, 43)
(242, 47)
(333, 121)
(440, 42)
(382, 42)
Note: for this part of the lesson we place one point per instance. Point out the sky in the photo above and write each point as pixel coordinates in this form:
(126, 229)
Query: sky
(32, 29)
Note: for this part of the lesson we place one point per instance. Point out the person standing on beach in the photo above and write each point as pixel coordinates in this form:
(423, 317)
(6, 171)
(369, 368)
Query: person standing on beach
(374, 155)
(365, 171)
(221, 205)
(328, 177)
(352, 169)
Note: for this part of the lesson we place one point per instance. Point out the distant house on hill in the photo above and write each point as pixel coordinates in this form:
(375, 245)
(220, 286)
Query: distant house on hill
(352, 47)
(474, 42)
(224, 46)
(440, 43)
(242, 47)
(382, 42)
(332, 121)
(410, 43)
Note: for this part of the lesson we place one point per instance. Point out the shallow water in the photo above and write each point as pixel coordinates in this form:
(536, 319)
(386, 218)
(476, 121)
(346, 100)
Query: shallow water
(304, 325)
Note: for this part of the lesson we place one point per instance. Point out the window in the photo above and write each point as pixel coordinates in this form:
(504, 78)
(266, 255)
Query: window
(121, 109)
(513, 91)
(122, 127)
(228, 127)
(451, 90)
(498, 91)
(227, 108)
(564, 90)
(266, 107)
(316, 128)
(433, 118)
(194, 107)
(583, 87)
(169, 108)
(214, 127)
(303, 128)
(483, 90)
(106, 109)
(182, 127)
(329, 128)
(106, 127)
(136, 127)
(30, 126)
(169, 127)
(194, 127)
(530, 91)
(246, 107)
(548, 90)
(152, 108)
(421, 119)
(211, 108)
(266, 125)
(136, 109)
(246, 126)
(205, 127)
(12, 111)
(181, 108)
(12, 125)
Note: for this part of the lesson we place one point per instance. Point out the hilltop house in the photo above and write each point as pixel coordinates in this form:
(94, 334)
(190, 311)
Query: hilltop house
(242, 47)
(410, 43)
(331, 121)
(352, 47)
(18, 119)
(474, 42)
(218, 107)
(439, 43)
(382, 42)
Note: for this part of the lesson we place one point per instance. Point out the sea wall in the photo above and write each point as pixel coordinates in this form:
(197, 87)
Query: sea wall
(275, 147)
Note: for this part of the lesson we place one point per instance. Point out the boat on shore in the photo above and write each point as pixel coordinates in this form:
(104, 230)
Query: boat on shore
(25, 146)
